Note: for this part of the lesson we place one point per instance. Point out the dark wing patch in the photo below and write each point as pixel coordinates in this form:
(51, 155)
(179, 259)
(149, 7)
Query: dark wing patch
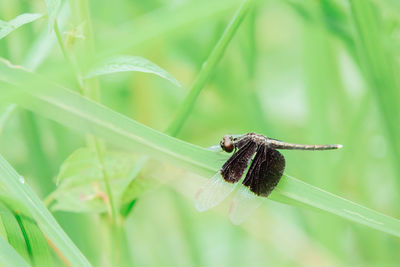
(235, 166)
(265, 171)
(253, 173)
(242, 142)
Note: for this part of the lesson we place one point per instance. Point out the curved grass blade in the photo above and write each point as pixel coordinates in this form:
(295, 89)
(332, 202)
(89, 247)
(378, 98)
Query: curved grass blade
(379, 64)
(208, 68)
(9, 257)
(293, 191)
(8, 27)
(13, 231)
(86, 116)
(35, 241)
(124, 63)
(18, 189)
(23, 233)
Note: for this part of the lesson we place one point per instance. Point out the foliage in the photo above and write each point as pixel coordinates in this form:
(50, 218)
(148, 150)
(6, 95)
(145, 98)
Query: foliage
(117, 155)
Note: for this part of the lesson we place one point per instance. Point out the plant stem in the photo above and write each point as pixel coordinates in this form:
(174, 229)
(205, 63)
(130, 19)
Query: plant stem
(106, 181)
(91, 90)
(68, 58)
(88, 92)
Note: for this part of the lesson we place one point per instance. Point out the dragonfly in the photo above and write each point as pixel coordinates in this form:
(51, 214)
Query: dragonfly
(265, 171)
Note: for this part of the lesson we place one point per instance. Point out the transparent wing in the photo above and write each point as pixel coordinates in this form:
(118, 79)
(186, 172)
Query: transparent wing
(243, 205)
(215, 148)
(213, 192)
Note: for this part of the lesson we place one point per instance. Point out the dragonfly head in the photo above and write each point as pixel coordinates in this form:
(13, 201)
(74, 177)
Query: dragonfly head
(227, 143)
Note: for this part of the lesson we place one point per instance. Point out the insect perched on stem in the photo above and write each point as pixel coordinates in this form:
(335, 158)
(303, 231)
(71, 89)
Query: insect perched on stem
(265, 171)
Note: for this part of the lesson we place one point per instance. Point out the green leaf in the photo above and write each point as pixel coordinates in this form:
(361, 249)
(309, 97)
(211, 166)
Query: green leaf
(137, 188)
(86, 116)
(127, 208)
(9, 257)
(81, 184)
(125, 63)
(10, 26)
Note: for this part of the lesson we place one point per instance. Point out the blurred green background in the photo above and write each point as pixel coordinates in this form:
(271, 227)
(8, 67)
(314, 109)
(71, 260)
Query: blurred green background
(309, 72)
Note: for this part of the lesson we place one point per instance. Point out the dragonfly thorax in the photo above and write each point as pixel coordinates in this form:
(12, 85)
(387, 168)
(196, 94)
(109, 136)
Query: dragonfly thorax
(259, 139)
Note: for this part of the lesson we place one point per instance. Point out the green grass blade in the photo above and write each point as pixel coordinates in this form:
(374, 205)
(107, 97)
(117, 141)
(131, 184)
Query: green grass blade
(380, 66)
(300, 192)
(13, 231)
(9, 257)
(19, 222)
(37, 245)
(8, 27)
(208, 68)
(16, 186)
(86, 116)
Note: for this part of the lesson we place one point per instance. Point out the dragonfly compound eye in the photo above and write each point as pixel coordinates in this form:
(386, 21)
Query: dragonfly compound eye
(227, 143)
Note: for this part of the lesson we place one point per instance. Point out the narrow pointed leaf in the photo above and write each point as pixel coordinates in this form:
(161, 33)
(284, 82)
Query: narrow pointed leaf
(126, 63)
(8, 27)
(22, 192)
(14, 234)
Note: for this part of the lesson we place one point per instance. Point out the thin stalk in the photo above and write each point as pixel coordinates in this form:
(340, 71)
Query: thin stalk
(208, 68)
(91, 90)
(72, 63)
(68, 58)
(106, 181)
